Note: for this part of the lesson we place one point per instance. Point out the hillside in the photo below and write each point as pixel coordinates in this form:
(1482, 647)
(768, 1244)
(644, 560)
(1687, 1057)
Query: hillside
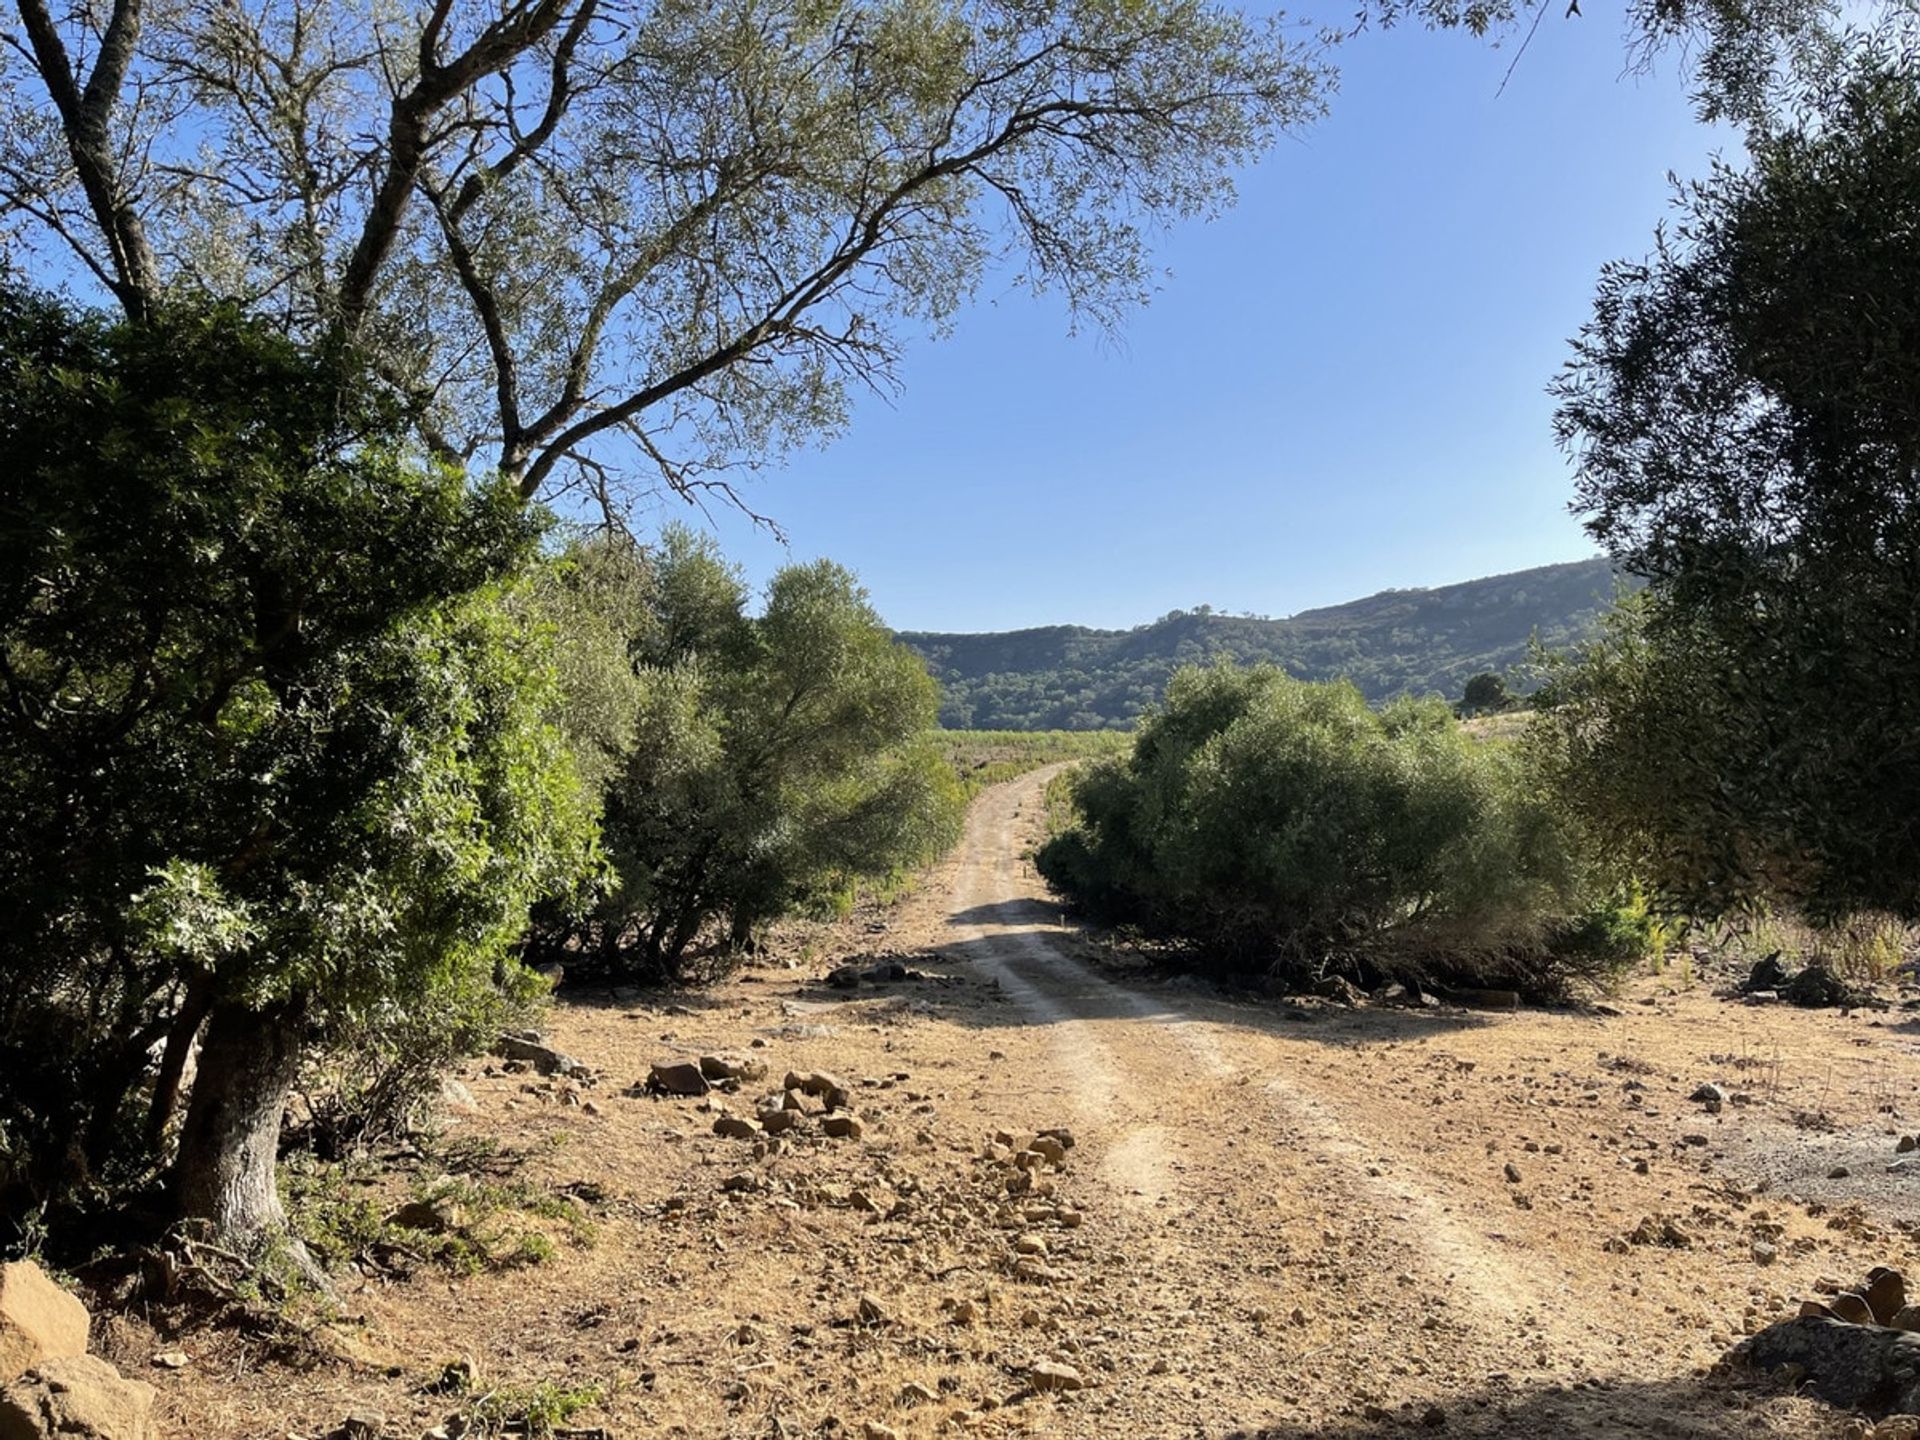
(1399, 642)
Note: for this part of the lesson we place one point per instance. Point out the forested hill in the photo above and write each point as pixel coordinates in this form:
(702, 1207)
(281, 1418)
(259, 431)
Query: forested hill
(1399, 642)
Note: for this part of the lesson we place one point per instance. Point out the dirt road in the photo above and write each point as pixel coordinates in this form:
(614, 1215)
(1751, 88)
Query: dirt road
(1292, 1220)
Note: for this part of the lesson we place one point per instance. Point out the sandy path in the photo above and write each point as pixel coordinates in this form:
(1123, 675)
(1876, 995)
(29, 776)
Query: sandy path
(1235, 1154)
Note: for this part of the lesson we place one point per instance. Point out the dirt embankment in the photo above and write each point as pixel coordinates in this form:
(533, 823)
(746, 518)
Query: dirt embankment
(1272, 1221)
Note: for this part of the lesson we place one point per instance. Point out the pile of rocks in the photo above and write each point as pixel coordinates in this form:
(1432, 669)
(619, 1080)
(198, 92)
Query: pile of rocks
(1858, 1348)
(53, 1387)
(808, 1100)
(1881, 1301)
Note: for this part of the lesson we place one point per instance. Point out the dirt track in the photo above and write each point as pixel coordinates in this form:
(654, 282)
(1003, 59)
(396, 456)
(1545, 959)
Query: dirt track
(1297, 1223)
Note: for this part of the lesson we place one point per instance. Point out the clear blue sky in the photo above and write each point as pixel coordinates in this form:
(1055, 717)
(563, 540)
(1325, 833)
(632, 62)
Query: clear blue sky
(1338, 389)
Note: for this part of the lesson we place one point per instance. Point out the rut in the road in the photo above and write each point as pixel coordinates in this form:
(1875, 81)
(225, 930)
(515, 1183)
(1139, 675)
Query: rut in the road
(1011, 934)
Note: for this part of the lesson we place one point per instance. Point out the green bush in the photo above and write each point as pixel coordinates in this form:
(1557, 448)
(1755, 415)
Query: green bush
(754, 765)
(1271, 826)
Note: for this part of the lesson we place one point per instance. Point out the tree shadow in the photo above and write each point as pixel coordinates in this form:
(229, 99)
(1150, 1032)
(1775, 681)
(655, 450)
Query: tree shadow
(1086, 992)
(1687, 1408)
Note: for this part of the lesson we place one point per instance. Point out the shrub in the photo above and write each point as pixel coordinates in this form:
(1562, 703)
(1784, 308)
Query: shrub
(762, 764)
(1268, 825)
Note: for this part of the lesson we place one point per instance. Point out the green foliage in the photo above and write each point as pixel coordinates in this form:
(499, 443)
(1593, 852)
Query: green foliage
(1399, 642)
(771, 760)
(1276, 826)
(344, 1213)
(1486, 693)
(273, 728)
(1745, 407)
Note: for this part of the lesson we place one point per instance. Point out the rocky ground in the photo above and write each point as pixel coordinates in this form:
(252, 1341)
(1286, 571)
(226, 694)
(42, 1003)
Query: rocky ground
(1029, 1191)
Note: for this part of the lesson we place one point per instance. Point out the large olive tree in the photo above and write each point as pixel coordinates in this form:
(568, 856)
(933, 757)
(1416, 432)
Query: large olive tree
(1744, 408)
(594, 235)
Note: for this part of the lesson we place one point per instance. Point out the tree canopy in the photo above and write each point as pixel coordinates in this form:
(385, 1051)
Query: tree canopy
(590, 236)
(770, 760)
(1744, 408)
(275, 750)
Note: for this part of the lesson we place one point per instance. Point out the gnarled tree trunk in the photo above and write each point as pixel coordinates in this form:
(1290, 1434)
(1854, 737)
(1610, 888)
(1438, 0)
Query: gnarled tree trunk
(229, 1148)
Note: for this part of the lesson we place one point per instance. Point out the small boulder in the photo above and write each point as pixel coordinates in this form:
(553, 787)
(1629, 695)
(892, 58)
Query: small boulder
(682, 1078)
(38, 1320)
(1050, 1375)
(733, 1127)
(842, 1125)
(1864, 1367)
(529, 1047)
(732, 1067)
(1886, 1294)
(778, 1122)
(76, 1397)
(1709, 1095)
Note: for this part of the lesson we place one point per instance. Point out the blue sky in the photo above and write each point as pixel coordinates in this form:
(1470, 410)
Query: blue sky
(1339, 388)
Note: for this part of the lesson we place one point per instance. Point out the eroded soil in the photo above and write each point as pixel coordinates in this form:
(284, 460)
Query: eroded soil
(1292, 1220)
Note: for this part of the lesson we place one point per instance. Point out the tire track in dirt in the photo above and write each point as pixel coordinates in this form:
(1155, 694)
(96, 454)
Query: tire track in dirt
(1112, 1043)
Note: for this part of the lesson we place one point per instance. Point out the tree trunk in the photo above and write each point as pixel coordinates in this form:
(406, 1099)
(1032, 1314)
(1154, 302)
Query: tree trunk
(229, 1147)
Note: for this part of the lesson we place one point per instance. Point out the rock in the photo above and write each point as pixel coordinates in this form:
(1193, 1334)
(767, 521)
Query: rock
(1861, 1367)
(172, 1360)
(914, 1393)
(1838, 1172)
(1060, 1133)
(961, 1312)
(1050, 1375)
(1886, 1294)
(842, 1125)
(1048, 1148)
(457, 1098)
(38, 1320)
(844, 977)
(1767, 975)
(1709, 1094)
(435, 1217)
(830, 1088)
(1763, 1253)
(1816, 988)
(76, 1397)
(733, 1067)
(529, 1047)
(1851, 1308)
(1906, 1144)
(733, 1127)
(1897, 1427)
(778, 1122)
(1034, 1270)
(1434, 1418)
(361, 1425)
(874, 1430)
(1512, 1172)
(682, 1078)
(1907, 1319)
(871, 1312)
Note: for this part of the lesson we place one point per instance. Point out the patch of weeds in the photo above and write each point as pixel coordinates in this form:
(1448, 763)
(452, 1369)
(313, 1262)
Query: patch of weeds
(464, 1224)
(329, 1207)
(537, 1409)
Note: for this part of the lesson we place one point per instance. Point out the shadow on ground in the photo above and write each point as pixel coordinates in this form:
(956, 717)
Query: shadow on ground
(1684, 1408)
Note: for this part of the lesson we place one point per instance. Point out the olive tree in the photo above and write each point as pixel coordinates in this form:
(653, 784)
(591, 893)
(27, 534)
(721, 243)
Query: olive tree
(770, 760)
(276, 743)
(590, 236)
(1744, 410)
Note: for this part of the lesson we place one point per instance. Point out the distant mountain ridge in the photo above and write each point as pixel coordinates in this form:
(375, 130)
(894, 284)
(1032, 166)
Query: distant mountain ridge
(1398, 642)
